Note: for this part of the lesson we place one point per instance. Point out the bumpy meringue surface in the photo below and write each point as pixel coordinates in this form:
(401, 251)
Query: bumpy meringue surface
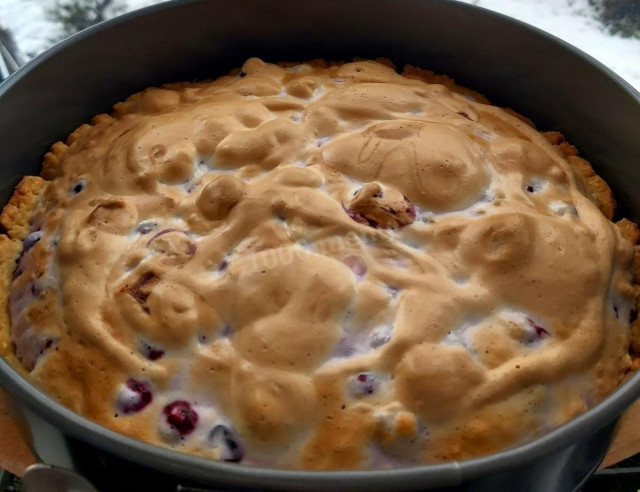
(323, 267)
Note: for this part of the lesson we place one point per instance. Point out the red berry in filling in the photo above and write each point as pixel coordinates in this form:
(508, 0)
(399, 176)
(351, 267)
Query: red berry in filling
(146, 227)
(136, 396)
(78, 187)
(181, 417)
(364, 384)
(373, 206)
(155, 354)
(538, 332)
(151, 353)
(225, 439)
(358, 217)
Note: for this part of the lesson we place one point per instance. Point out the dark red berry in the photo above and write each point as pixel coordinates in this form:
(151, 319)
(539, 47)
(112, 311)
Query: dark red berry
(140, 290)
(135, 397)
(181, 417)
(155, 354)
(223, 438)
(151, 353)
(146, 227)
(538, 332)
(77, 187)
(364, 384)
(358, 217)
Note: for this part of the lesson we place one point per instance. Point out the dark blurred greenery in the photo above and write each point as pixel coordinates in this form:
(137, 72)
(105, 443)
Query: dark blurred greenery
(620, 16)
(76, 15)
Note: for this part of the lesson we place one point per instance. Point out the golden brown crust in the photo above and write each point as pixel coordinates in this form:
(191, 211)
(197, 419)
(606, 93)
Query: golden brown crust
(77, 133)
(9, 252)
(52, 160)
(16, 215)
(603, 197)
(598, 188)
(629, 230)
(564, 147)
(596, 185)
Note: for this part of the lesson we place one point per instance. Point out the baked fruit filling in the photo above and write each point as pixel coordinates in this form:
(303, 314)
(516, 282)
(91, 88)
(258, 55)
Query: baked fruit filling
(319, 266)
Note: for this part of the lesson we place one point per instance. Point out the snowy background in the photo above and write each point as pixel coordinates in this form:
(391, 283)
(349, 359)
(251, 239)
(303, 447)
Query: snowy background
(575, 21)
